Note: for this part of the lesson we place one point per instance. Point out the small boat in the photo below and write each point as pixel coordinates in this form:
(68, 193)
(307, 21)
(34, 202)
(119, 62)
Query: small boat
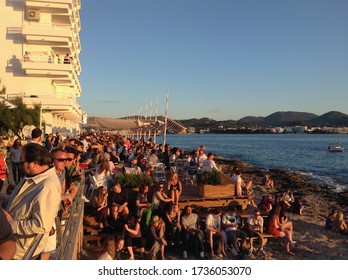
(336, 147)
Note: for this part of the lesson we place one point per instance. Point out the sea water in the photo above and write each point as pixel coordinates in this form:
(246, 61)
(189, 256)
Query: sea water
(305, 153)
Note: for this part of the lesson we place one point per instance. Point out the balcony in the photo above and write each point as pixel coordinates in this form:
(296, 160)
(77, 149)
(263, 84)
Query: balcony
(66, 6)
(60, 74)
(67, 107)
(57, 36)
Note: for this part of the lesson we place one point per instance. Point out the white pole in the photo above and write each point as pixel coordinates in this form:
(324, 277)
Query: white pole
(154, 133)
(150, 119)
(165, 121)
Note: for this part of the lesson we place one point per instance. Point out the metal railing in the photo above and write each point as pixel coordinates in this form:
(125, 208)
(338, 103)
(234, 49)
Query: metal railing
(70, 240)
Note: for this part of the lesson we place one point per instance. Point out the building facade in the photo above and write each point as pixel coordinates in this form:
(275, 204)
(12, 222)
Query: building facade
(39, 59)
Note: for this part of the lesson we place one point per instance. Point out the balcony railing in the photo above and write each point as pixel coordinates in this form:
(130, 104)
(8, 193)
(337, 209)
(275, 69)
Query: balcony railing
(60, 34)
(47, 66)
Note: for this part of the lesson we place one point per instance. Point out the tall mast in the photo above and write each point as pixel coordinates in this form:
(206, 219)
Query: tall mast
(165, 121)
(154, 133)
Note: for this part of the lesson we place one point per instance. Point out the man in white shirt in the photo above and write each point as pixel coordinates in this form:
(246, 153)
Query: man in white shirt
(213, 228)
(237, 183)
(209, 164)
(34, 203)
(190, 226)
(255, 229)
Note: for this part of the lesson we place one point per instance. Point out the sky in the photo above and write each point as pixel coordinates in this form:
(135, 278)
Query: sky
(221, 59)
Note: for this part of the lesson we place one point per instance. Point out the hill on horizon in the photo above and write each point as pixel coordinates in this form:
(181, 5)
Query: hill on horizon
(288, 118)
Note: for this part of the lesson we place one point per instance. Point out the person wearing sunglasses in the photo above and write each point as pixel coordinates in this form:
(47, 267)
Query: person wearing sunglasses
(72, 174)
(255, 229)
(34, 203)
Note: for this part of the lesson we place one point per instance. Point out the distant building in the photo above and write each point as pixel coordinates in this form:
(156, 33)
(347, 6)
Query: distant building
(39, 60)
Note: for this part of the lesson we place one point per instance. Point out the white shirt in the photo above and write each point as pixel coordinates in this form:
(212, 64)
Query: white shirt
(213, 222)
(209, 165)
(105, 257)
(237, 182)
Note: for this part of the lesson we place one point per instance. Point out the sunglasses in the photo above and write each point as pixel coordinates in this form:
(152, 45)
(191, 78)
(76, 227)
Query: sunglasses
(63, 159)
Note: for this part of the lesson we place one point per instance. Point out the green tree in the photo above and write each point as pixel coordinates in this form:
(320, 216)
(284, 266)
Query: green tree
(16, 119)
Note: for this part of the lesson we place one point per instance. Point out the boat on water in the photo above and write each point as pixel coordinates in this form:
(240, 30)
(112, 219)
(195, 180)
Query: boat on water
(336, 147)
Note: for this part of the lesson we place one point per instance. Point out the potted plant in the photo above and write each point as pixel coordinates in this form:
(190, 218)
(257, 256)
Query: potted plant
(214, 184)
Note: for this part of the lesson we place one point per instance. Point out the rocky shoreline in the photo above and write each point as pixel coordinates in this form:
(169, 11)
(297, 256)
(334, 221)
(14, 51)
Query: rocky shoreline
(313, 240)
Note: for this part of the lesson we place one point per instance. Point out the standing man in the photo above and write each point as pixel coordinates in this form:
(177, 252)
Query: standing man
(34, 203)
(36, 136)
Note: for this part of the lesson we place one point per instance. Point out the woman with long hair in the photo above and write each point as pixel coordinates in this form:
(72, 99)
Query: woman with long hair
(172, 220)
(100, 206)
(174, 187)
(103, 174)
(339, 224)
(281, 230)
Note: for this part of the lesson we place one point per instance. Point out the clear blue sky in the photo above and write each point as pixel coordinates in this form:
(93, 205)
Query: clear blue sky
(223, 59)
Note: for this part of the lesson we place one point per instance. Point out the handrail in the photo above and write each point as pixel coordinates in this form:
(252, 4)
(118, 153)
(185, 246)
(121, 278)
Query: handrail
(70, 242)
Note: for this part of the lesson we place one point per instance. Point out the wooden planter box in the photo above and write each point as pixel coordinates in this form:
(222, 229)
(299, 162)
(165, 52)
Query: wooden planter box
(219, 191)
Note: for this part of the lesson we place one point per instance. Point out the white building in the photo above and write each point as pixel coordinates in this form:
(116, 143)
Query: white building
(35, 37)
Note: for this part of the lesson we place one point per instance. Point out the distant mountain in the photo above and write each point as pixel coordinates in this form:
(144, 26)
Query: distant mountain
(332, 118)
(206, 123)
(252, 120)
(289, 118)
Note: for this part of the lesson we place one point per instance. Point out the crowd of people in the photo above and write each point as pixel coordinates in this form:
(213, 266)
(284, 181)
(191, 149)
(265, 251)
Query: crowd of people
(46, 176)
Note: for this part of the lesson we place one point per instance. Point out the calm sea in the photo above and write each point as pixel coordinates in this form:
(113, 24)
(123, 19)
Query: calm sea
(304, 153)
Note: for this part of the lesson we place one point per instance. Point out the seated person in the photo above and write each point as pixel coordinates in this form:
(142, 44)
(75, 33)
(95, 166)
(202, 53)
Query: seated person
(255, 229)
(330, 219)
(267, 181)
(100, 206)
(339, 225)
(109, 248)
(118, 202)
(230, 223)
(265, 204)
(174, 187)
(173, 227)
(213, 229)
(241, 188)
(143, 205)
(133, 236)
(191, 230)
(157, 230)
(209, 165)
(160, 201)
(297, 206)
(277, 229)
